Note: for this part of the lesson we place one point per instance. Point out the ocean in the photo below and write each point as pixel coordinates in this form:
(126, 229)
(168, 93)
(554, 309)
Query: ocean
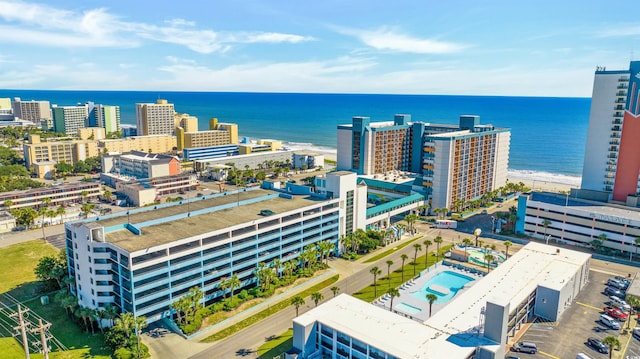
(547, 134)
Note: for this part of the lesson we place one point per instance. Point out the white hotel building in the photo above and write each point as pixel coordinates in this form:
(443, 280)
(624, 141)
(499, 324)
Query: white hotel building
(538, 280)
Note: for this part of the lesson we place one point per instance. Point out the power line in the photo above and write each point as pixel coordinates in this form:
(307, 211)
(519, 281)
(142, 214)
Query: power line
(42, 329)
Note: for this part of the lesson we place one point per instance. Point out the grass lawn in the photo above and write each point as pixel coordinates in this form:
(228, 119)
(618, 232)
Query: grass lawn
(368, 293)
(277, 345)
(267, 312)
(18, 280)
(393, 249)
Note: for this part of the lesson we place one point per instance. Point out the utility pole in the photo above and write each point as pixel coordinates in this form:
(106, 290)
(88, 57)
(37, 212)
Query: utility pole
(43, 336)
(22, 327)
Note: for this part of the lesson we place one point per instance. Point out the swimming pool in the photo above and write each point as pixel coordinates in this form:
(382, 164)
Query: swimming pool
(445, 285)
(407, 308)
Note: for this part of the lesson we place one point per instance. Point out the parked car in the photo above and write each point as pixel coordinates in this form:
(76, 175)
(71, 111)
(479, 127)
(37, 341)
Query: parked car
(611, 291)
(598, 345)
(636, 333)
(525, 347)
(609, 322)
(617, 283)
(620, 303)
(617, 313)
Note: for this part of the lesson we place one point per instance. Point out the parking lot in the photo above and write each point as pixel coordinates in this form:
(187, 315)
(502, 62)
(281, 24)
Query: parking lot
(568, 337)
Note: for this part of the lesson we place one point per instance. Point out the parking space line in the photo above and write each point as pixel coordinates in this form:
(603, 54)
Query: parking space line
(589, 306)
(548, 355)
(626, 346)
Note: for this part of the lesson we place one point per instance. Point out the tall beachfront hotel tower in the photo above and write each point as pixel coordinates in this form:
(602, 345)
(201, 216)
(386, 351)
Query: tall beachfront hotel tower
(155, 118)
(612, 155)
(453, 162)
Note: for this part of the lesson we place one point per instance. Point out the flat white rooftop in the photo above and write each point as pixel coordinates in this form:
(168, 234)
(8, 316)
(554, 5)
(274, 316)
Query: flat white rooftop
(453, 331)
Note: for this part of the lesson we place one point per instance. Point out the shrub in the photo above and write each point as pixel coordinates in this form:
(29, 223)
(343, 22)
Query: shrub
(243, 295)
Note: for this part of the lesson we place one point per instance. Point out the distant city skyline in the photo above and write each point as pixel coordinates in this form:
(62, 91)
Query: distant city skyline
(540, 48)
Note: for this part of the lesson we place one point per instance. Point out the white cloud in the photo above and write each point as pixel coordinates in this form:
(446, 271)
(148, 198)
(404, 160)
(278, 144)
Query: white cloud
(272, 37)
(389, 39)
(31, 23)
(620, 30)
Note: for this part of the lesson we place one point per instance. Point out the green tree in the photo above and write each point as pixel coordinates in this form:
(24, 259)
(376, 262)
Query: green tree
(403, 257)
(416, 247)
(467, 243)
(431, 298)
(81, 167)
(317, 297)
(25, 216)
(488, 259)
(63, 168)
(297, 302)
(335, 290)
(52, 268)
(426, 243)
(507, 244)
(86, 209)
(61, 211)
(393, 292)
(13, 171)
(375, 271)
(611, 342)
(438, 241)
(389, 264)
(410, 219)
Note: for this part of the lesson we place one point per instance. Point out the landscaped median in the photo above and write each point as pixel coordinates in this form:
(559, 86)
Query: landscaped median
(392, 250)
(267, 312)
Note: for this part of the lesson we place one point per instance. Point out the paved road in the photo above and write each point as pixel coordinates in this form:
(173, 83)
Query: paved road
(246, 342)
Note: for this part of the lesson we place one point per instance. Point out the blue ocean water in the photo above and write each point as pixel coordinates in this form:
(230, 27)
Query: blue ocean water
(547, 134)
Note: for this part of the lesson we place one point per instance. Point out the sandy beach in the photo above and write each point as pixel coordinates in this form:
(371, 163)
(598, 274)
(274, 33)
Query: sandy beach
(536, 184)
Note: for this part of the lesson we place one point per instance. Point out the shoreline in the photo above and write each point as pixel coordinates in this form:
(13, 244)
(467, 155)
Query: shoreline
(548, 182)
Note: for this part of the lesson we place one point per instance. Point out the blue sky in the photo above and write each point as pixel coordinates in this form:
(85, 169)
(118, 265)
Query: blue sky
(534, 48)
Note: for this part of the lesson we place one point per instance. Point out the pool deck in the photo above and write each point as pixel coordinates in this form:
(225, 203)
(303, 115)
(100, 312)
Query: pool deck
(414, 285)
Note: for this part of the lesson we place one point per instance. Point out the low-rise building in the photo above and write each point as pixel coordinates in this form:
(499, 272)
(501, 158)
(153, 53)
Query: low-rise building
(143, 192)
(538, 280)
(7, 222)
(254, 160)
(59, 195)
(307, 160)
(565, 218)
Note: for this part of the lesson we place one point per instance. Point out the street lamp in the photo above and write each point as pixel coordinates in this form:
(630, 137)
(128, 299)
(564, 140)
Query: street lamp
(476, 233)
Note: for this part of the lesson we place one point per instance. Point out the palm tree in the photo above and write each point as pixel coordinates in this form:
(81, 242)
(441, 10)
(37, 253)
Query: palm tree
(411, 219)
(297, 302)
(335, 290)
(277, 264)
(389, 264)
(234, 282)
(404, 258)
(466, 242)
(507, 244)
(139, 323)
(633, 302)
(603, 238)
(317, 297)
(100, 315)
(431, 298)
(636, 242)
(426, 243)
(611, 342)
(545, 223)
(110, 312)
(375, 271)
(393, 292)
(488, 258)
(42, 211)
(438, 240)
(60, 211)
(417, 247)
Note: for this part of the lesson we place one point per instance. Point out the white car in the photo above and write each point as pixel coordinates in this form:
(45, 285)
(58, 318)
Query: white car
(620, 303)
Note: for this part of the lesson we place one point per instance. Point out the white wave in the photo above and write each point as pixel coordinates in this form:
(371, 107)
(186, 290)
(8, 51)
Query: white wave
(539, 176)
(298, 146)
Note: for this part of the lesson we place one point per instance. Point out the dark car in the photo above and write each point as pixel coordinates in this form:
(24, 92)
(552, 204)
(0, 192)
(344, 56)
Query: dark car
(598, 345)
(636, 332)
(622, 285)
(614, 291)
